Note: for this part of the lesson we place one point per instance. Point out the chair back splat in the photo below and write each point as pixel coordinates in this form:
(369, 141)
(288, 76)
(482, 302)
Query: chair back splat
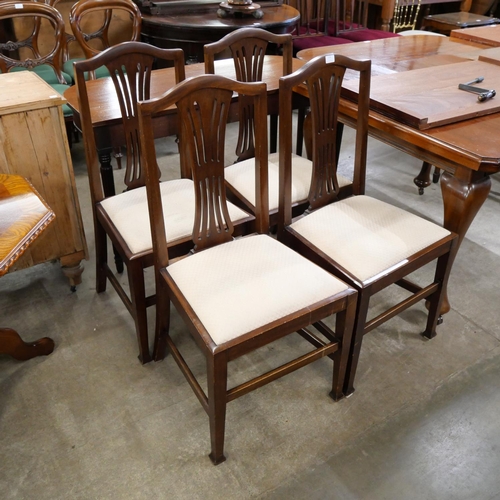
(248, 47)
(202, 119)
(234, 294)
(367, 243)
(405, 15)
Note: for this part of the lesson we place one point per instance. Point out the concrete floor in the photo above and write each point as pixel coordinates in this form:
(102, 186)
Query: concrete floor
(89, 422)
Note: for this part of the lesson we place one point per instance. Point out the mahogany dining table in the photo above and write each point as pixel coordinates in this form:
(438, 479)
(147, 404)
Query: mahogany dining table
(468, 151)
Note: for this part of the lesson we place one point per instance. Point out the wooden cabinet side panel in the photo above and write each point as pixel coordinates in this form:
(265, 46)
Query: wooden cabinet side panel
(51, 146)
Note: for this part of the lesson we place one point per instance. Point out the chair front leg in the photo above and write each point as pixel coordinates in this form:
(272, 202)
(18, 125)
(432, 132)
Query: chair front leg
(162, 327)
(217, 400)
(138, 298)
(435, 301)
(344, 324)
(101, 256)
(357, 339)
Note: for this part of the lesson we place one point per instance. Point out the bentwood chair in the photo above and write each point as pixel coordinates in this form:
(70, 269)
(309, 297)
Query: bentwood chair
(367, 243)
(235, 295)
(124, 217)
(248, 49)
(49, 65)
(109, 15)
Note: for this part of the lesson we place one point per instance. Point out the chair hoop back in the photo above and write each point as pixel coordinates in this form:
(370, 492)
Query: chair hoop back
(37, 11)
(86, 7)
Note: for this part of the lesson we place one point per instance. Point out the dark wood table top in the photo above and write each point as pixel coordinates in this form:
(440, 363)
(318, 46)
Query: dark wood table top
(104, 104)
(466, 144)
(202, 19)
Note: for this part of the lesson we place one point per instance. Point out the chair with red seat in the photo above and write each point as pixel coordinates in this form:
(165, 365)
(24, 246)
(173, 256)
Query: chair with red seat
(351, 21)
(313, 28)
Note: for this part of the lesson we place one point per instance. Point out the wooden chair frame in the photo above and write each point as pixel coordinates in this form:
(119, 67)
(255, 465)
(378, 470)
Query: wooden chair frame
(128, 56)
(248, 47)
(324, 190)
(193, 101)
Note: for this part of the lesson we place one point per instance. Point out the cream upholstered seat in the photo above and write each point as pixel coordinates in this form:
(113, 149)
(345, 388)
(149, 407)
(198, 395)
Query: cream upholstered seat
(128, 212)
(367, 243)
(235, 295)
(241, 177)
(366, 236)
(248, 284)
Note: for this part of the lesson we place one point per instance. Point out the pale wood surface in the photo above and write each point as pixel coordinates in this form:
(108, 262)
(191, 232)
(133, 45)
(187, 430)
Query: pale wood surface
(26, 91)
(429, 97)
(491, 55)
(487, 35)
(34, 145)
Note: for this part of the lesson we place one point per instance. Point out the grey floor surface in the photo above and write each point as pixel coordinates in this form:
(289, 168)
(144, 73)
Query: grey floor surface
(89, 422)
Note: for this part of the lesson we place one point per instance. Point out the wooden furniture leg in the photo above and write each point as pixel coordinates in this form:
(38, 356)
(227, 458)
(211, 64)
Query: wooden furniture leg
(423, 179)
(72, 268)
(108, 186)
(463, 195)
(12, 344)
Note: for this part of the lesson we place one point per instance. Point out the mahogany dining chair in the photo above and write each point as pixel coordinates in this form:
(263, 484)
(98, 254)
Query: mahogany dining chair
(234, 294)
(367, 243)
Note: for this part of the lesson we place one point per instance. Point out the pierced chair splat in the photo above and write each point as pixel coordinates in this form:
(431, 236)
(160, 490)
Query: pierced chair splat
(248, 48)
(365, 242)
(235, 295)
